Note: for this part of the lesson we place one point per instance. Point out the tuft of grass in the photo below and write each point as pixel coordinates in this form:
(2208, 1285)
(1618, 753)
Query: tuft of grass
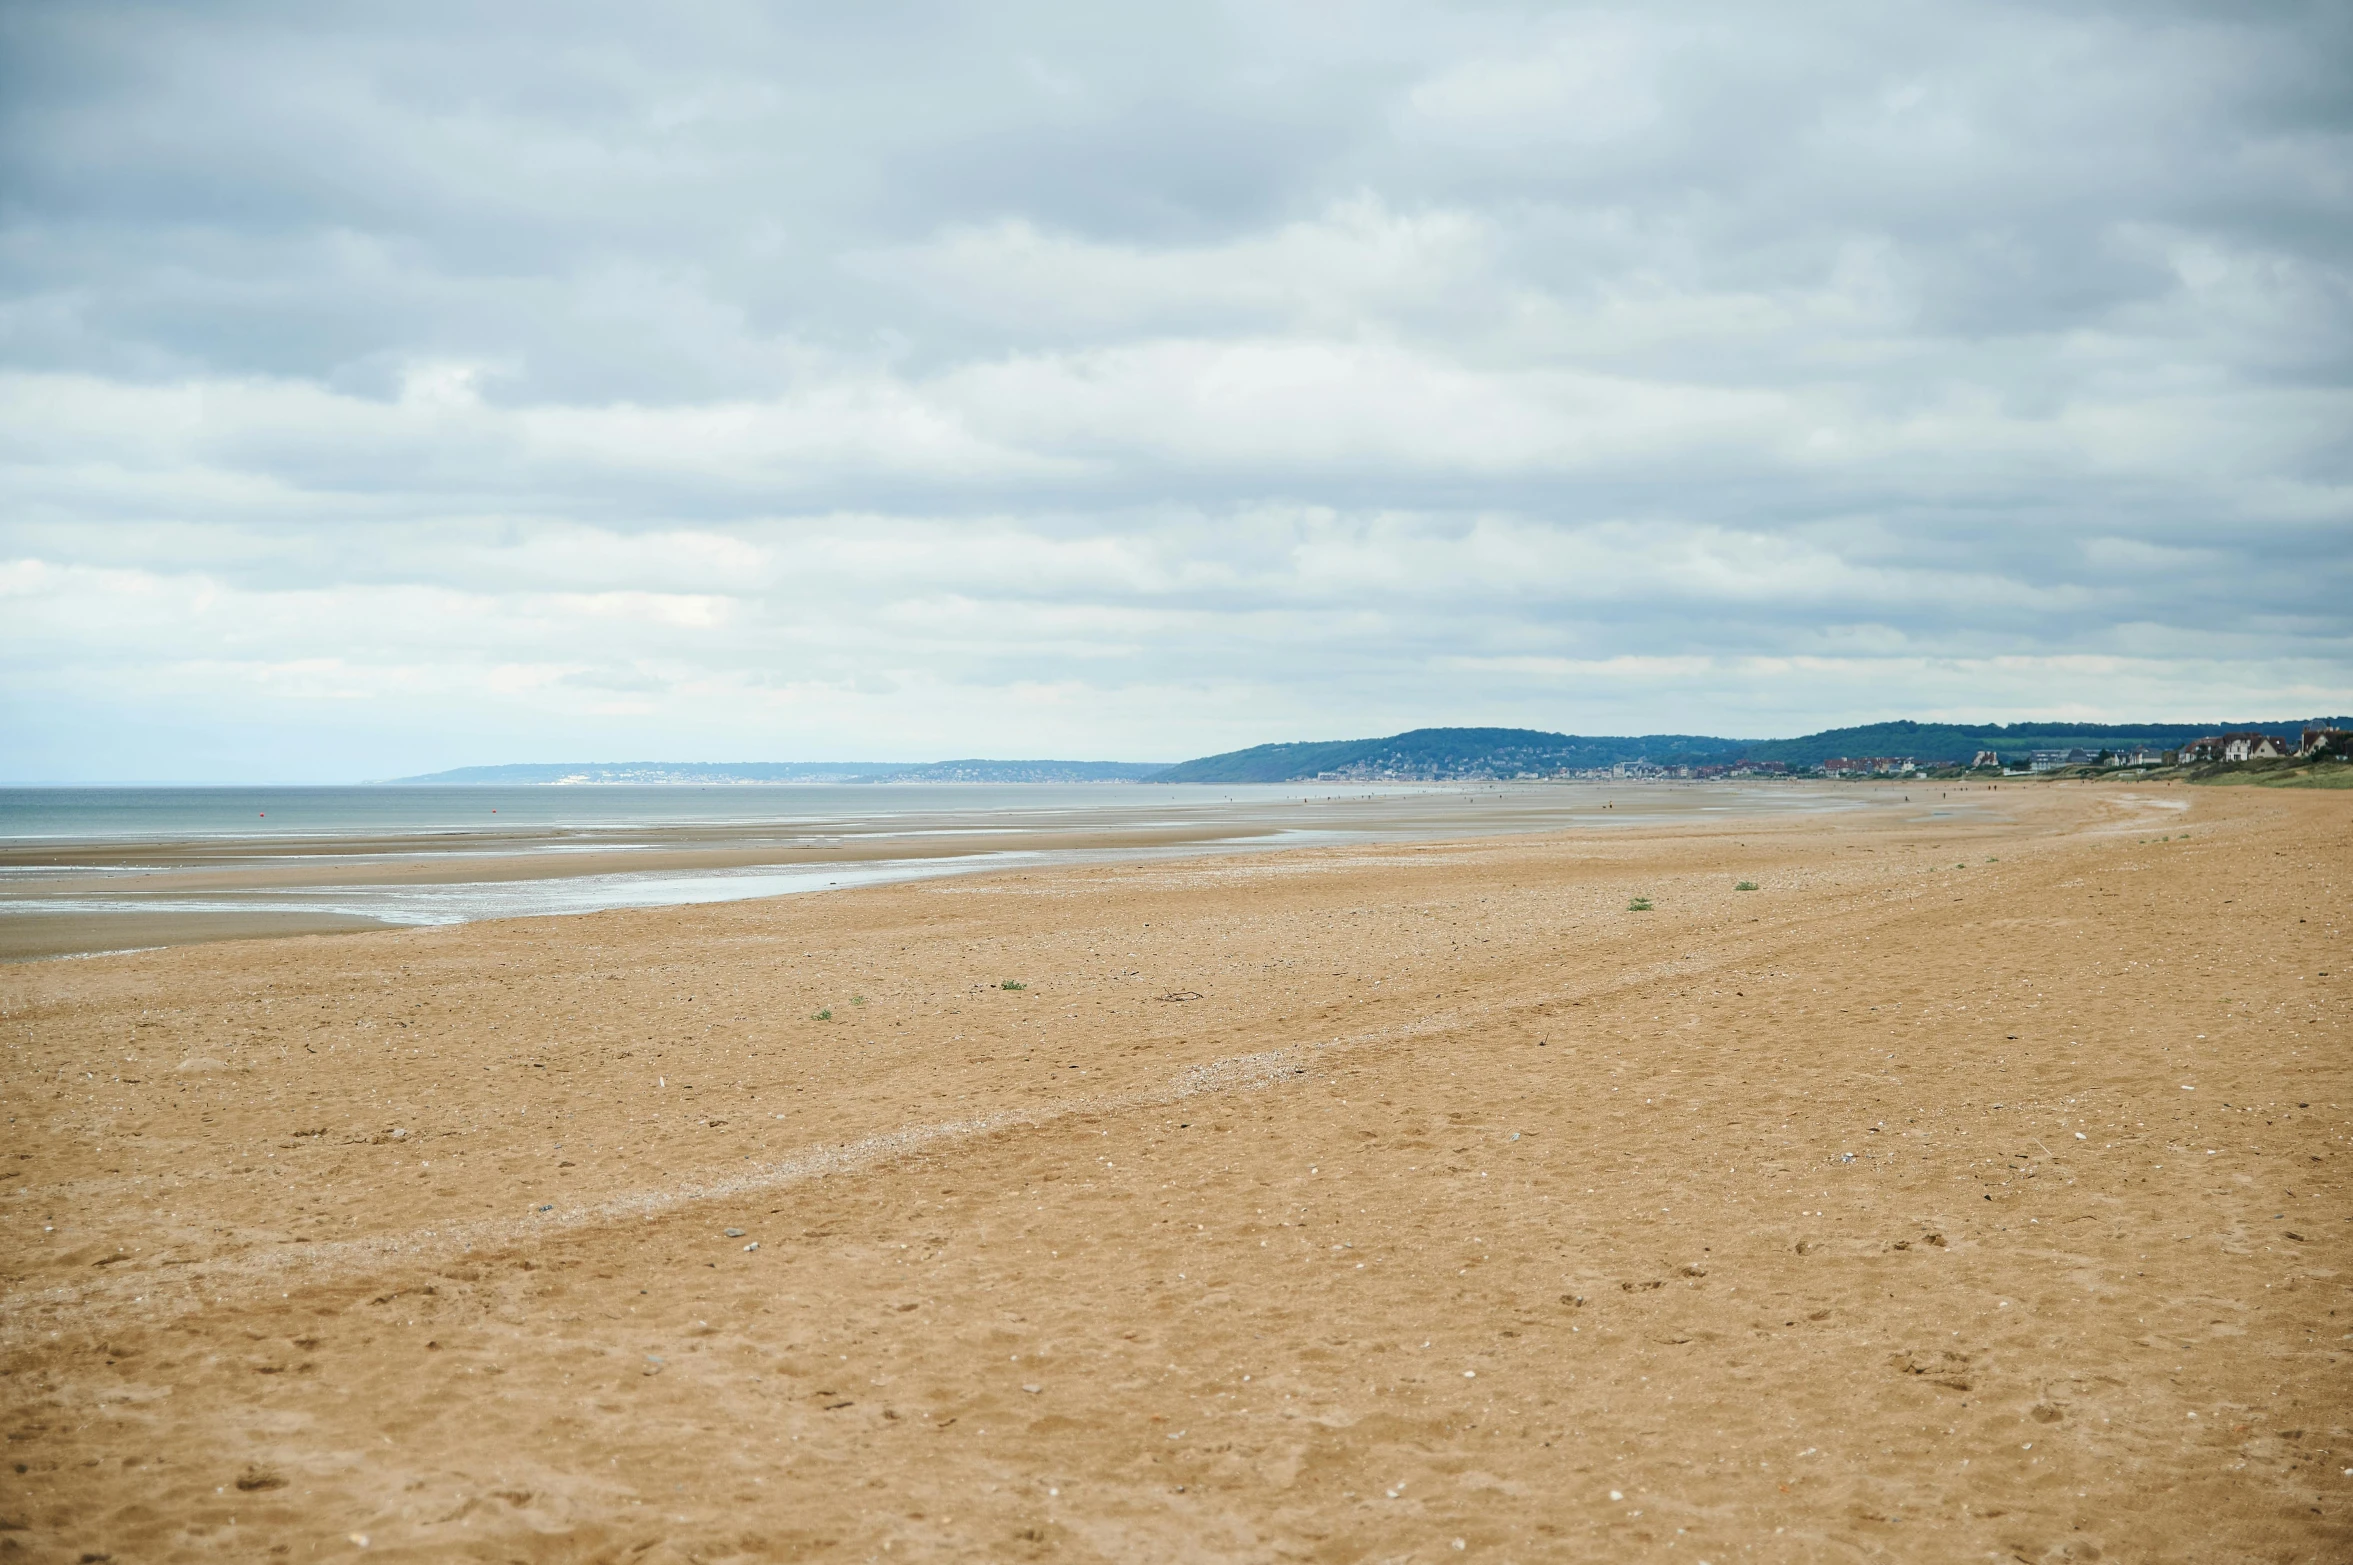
(1010, 984)
(857, 999)
(1746, 885)
(2291, 773)
(825, 1015)
(2337, 775)
(1638, 905)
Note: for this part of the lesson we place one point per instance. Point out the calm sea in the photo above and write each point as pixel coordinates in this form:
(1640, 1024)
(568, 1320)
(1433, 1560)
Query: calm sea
(134, 814)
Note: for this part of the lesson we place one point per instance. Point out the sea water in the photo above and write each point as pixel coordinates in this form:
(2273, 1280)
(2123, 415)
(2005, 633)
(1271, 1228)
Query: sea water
(96, 853)
(157, 814)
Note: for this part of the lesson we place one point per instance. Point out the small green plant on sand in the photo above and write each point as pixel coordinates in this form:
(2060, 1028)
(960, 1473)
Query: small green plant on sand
(857, 999)
(1746, 885)
(1010, 984)
(1638, 905)
(825, 1015)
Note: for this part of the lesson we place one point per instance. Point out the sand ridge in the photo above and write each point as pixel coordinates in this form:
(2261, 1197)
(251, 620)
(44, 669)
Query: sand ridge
(1861, 1216)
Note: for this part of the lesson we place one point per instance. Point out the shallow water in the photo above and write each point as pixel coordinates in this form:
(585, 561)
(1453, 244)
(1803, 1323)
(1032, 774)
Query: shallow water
(92, 869)
(134, 814)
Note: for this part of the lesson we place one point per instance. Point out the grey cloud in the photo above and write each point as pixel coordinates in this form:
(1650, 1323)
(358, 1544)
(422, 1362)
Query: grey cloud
(1494, 362)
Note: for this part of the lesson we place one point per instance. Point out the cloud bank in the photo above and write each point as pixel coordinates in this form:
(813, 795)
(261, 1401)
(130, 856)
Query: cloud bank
(382, 392)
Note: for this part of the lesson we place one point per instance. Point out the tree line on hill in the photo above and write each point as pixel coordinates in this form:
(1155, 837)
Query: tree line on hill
(1429, 754)
(1473, 753)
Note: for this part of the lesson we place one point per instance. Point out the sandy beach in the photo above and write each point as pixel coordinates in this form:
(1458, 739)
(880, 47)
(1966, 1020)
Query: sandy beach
(1972, 1188)
(69, 893)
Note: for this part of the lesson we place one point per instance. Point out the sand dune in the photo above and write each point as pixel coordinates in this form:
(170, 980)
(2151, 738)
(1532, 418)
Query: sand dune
(1974, 1187)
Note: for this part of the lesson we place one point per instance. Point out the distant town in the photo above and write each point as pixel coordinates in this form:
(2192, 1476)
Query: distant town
(2225, 749)
(2214, 749)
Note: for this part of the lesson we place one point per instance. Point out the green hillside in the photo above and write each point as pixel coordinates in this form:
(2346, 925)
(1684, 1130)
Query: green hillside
(1472, 754)
(1266, 763)
(1460, 754)
(1468, 753)
(1926, 742)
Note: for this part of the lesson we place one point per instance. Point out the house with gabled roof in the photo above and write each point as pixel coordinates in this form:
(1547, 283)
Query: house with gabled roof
(2236, 747)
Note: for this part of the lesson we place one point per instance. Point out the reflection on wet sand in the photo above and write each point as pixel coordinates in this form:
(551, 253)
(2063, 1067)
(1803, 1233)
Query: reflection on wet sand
(64, 896)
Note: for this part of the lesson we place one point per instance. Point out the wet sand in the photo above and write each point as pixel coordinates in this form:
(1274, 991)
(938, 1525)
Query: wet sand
(70, 897)
(28, 931)
(1973, 1188)
(38, 936)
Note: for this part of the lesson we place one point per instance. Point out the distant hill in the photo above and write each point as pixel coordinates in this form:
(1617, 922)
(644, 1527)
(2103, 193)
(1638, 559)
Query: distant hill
(1423, 754)
(1473, 754)
(1927, 742)
(1450, 753)
(712, 772)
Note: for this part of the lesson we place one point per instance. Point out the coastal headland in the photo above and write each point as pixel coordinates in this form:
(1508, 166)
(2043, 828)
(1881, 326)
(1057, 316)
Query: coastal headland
(1973, 1186)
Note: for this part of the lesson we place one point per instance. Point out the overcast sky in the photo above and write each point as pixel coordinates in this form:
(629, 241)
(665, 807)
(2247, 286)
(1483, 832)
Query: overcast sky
(397, 387)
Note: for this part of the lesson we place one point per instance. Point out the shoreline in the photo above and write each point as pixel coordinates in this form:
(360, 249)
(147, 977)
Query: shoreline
(77, 897)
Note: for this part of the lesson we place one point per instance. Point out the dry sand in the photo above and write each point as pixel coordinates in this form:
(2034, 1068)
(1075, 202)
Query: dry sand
(1974, 1189)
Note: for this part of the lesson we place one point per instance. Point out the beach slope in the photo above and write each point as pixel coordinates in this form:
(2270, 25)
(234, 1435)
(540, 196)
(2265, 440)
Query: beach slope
(1973, 1187)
